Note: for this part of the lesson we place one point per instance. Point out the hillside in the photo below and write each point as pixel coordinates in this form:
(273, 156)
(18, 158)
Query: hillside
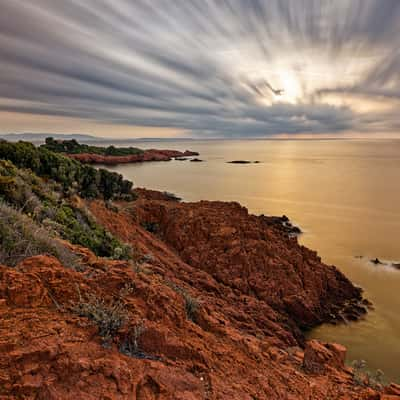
(138, 296)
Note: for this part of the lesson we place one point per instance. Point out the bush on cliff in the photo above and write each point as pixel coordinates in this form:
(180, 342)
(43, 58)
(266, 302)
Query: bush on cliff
(45, 204)
(20, 237)
(79, 228)
(89, 182)
(25, 190)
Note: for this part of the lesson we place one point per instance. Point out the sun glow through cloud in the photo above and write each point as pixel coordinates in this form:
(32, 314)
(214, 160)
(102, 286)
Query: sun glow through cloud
(203, 69)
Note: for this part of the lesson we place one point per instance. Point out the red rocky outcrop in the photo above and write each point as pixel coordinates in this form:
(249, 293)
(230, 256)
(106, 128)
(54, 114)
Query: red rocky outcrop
(321, 357)
(254, 257)
(146, 155)
(243, 341)
(50, 352)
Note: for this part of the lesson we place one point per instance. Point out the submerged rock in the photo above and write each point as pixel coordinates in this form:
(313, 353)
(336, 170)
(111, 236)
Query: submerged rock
(243, 162)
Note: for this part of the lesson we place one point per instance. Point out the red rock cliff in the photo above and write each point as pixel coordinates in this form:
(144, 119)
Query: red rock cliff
(219, 296)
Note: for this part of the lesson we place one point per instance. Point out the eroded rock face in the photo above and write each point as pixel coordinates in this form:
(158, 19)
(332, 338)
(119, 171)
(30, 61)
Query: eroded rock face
(255, 257)
(244, 343)
(49, 352)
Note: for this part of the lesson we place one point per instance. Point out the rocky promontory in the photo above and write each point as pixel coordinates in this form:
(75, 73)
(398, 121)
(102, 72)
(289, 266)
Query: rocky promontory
(145, 155)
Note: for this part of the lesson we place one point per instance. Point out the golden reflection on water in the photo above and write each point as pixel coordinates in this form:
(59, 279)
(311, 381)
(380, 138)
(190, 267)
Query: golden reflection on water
(345, 195)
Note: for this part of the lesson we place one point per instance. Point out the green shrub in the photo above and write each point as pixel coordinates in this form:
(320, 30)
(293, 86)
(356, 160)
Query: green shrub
(41, 200)
(73, 147)
(151, 227)
(89, 182)
(20, 237)
(80, 228)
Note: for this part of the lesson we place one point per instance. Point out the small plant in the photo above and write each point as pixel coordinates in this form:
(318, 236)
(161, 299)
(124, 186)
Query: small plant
(87, 181)
(108, 316)
(147, 258)
(117, 253)
(363, 377)
(151, 227)
(130, 345)
(191, 303)
(111, 206)
(128, 289)
(191, 307)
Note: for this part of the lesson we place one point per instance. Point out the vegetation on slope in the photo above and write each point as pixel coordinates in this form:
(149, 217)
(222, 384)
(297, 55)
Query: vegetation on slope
(50, 207)
(21, 237)
(73, 147)
(85, 180)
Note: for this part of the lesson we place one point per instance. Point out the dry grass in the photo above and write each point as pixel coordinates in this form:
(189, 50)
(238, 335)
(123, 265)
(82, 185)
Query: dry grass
(191, 303)
(21, 237)
(108, 316)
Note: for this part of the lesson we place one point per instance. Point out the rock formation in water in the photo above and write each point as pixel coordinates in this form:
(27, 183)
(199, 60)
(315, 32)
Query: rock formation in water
(243, 162)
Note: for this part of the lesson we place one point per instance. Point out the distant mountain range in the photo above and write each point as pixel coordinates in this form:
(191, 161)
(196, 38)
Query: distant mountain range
(40, 137)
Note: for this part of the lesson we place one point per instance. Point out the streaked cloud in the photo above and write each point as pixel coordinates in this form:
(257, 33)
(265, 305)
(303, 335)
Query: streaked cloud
(206, 68)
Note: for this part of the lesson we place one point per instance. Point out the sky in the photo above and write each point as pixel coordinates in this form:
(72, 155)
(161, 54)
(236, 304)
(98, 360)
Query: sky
(200, 68)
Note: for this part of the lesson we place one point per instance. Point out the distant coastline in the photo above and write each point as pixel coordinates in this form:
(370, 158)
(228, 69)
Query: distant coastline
(39, 138)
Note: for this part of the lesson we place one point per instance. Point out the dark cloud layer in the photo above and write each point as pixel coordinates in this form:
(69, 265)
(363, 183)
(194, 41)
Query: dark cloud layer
(212, 68)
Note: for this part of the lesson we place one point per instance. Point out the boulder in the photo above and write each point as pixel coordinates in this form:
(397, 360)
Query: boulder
(321, 357)
(392, 389)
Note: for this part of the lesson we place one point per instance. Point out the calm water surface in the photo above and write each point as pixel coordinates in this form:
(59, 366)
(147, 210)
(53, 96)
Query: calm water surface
(345, 195)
